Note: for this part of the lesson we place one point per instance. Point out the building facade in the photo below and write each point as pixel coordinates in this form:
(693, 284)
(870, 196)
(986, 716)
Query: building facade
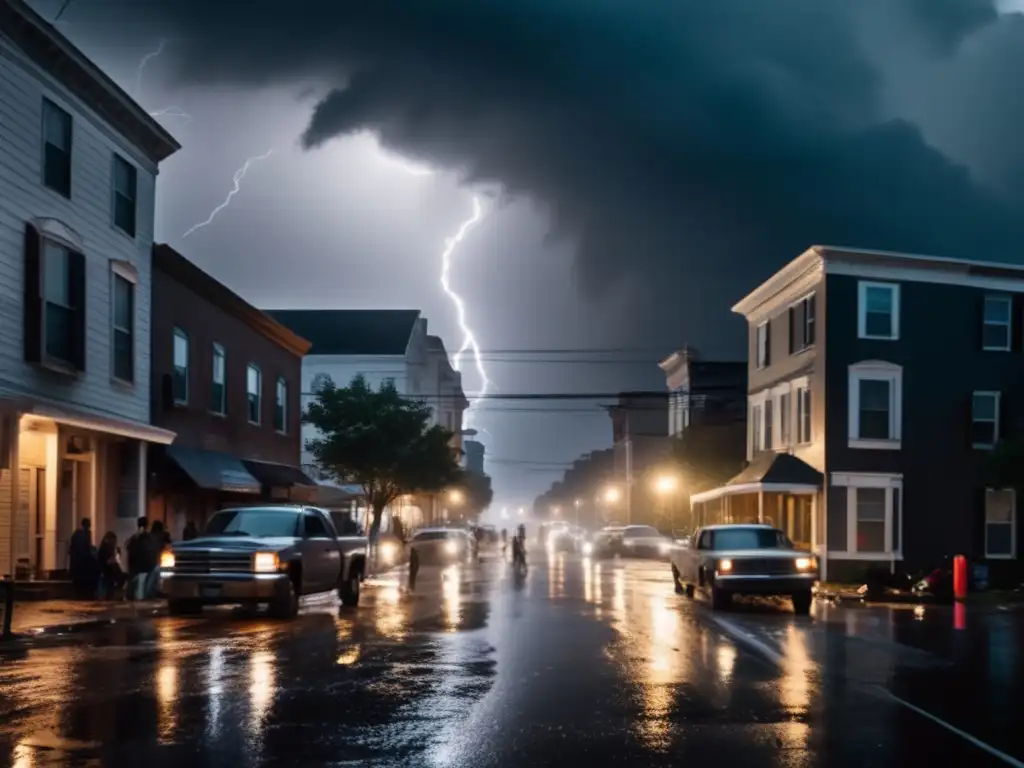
(639, 445)
(78, 166)
(474, 456)
(386, 345)
(226, 379)
(886, 381)
(703, 392)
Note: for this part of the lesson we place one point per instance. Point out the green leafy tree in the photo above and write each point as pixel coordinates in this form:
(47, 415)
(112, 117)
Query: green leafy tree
(379, 440)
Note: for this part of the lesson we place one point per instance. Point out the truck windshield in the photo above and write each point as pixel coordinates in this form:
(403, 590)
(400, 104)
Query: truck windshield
(256, 522)
(751, 538)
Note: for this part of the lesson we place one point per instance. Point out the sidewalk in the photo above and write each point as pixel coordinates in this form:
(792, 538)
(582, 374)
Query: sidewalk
(52, 616)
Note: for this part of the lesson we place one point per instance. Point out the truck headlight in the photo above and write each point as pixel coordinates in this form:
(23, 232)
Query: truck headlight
(167, 561)
(451, 547)
(665, 548)
(804, 563)
(724, 566)
(266, 562)
(388, 550)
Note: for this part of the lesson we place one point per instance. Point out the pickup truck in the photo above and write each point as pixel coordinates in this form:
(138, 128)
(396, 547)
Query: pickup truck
(269, 554)
(727, 560)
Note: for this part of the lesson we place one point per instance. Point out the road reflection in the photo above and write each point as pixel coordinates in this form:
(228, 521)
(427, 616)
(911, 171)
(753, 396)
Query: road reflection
(167, 684)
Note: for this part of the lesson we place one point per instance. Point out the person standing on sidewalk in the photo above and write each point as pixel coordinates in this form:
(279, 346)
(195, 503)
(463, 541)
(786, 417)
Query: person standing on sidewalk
(82, 561)
(143, 553)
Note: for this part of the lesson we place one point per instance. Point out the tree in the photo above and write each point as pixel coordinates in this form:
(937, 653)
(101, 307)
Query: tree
(379, 440)
(478, 490)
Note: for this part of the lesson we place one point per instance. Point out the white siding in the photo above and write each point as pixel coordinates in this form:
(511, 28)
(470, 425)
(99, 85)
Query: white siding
(89, 212)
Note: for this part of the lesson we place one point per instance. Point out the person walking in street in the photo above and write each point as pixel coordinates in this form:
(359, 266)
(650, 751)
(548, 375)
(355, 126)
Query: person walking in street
(141, 559)
(112, 576)
(190, 532)
(82, 561)
(160, 540)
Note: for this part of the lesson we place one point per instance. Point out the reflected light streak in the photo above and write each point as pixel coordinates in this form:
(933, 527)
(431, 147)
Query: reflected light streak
(619, 598)
(795, 689)
(214, 688)
(262, 678)
(726, 658)
(349, 656)
(450, 592)
(661, 675)
(167, 685)
(588, 580)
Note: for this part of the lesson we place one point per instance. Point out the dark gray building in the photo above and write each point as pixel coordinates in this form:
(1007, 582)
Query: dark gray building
(703, 392)
(891, 378)
(474, 451)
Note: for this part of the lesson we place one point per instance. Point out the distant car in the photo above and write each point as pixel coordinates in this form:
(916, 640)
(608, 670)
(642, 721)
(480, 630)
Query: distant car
(607, 542)
(487, 539)
(443, 546)
(727, 560)
(263, 554)
(645, 541)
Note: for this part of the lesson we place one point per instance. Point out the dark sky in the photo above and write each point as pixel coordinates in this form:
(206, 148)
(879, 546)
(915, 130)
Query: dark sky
(647, 162)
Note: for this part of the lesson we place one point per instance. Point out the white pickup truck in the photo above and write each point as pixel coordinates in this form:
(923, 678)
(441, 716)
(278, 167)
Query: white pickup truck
(263, 554)
(726, 560)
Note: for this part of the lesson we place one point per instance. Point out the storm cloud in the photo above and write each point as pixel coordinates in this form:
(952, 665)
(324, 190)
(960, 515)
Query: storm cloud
(686, 149)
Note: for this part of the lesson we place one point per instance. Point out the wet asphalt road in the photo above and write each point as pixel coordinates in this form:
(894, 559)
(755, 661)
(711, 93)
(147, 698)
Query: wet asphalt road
(579, 663)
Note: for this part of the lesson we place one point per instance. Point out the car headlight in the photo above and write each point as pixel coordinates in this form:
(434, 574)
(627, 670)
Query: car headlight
(724, 566)
(451, 547)
(266, 562)
(588, 548)
(665, 548)
(388, 550)
(804, 563)
(167, 560)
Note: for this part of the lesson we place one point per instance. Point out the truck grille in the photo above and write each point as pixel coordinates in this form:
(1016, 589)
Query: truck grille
(212, 562)
(764, 566)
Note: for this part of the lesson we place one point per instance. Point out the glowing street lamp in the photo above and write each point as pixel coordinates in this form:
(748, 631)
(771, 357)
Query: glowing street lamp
(456, 496)
(612, 494)
(556, 509)
(665, 484)
(521, 511)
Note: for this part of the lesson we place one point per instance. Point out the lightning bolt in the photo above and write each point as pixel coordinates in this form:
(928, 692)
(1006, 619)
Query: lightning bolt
(469, 342)
(144, 61)
(239, 175)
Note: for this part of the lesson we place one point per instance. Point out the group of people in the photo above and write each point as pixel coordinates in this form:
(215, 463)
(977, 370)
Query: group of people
(100, 571)
(518, 545)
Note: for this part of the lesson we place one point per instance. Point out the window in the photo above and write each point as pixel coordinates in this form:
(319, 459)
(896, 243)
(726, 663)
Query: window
(878, 315)
(281, 406)
(873, 524)
(315, 528)
(801, 325)
(54, 300)
(218, 388)
(61, 302)
(125, 188)
(764, 350)
(803, 415)
(984, 419)
(180, 377)
(1000, 524)
(785, 419)
(757, 424)
(56, 148)
(253, 384)
(875, 405)
(124, 328)
(995, 331)
(768, 413)
(870, 523)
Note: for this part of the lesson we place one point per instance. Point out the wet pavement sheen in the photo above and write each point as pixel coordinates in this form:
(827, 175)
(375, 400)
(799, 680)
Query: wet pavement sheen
(586, 663)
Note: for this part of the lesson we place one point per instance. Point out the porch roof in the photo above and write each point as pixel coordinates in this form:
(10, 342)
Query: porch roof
(773, 472)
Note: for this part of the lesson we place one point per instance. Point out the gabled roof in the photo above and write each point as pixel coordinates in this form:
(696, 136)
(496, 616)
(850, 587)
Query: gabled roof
(351, 331)
(778, 469)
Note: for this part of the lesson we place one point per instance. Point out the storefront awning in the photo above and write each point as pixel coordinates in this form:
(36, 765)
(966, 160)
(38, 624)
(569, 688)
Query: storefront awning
(75, 417)
(770, 473)
(278, 475)
(213, 471)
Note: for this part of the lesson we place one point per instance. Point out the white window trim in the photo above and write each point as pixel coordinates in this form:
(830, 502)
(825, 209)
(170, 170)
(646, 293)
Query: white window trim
(217, 347)
(762, 344)
(876, 370)
(862, 310)
(1008, 324)
(998, 398)
(259, 394)
(1013, 527)
(179, 332)
(281, 382)
(797, 408)
(890, 481)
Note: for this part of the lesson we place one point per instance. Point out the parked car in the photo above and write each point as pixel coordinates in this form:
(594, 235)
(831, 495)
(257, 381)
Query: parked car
(443, 546)
(645, 541)
(269, 554)
(607, 542)
(727, 560)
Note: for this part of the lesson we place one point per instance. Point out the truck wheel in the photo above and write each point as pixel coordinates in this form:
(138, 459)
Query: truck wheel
(690, 591)
(287, 607)
(348, 590)
(720, 598)
(184, 607)
(802, 603)
(676, 582)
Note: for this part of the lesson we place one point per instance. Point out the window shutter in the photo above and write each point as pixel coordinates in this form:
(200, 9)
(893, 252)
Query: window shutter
(810, 320)
(792, 330)
(33, 303)
(768, 343)
(76, 283)
(1016, 322)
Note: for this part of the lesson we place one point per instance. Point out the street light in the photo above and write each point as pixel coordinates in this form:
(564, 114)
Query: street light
(456, 496)
(521, 511)
(612, 495)
(665, 484)
(555, 509)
